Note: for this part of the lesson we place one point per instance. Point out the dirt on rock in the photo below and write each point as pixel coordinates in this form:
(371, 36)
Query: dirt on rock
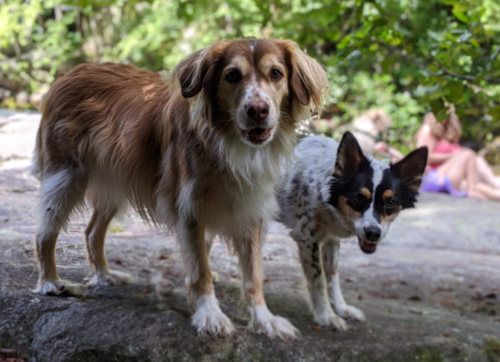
(430, 293)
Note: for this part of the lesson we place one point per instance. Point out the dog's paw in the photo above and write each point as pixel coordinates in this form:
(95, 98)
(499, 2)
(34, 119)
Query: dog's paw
(330, 319)
(264, 322)
(215, 277)
(209, 319)
(110, 277)
(349, 312)
(57, 287)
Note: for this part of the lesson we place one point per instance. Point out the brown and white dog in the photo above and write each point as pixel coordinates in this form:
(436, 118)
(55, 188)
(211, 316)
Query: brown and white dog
(200, 153)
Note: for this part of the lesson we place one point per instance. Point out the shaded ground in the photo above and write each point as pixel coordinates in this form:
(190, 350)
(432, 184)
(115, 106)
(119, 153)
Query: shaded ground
(431, 292)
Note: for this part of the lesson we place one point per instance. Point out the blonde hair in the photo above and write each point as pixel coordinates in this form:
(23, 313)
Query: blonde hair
(450, 129)
(379, 117)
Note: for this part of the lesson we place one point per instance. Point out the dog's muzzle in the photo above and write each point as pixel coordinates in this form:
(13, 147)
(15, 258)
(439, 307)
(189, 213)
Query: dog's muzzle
(259, 128)
(372, 235)
(257, 135)
(367, 246)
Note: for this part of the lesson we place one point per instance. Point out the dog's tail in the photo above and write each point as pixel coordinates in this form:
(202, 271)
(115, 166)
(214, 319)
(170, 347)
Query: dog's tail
(36, 161)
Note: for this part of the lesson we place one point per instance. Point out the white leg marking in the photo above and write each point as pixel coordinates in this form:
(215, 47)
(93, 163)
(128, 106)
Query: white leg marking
(209, 319)
(264, 322)
(331, 252)
(338, 302)
(57, 287)
(108, 276)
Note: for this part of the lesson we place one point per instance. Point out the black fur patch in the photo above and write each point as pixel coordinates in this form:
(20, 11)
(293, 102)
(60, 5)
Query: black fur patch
(409, 172)
(351, 186)
(390, 181)
(352, 173)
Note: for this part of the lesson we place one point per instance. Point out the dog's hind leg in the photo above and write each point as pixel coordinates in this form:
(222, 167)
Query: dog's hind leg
(95, 235)
(331, 253)
(61, 192)
(310, 250)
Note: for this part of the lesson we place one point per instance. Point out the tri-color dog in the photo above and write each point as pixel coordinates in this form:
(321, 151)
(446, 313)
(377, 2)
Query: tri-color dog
(200, 153)
(333, 191)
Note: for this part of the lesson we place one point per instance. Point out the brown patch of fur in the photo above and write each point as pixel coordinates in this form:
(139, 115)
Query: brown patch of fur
(250, 260)
(387, 193)
(385, 219)
(347, 212)
(366, 193)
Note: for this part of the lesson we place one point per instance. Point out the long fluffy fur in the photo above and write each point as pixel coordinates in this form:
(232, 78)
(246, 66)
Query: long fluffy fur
(114, 134)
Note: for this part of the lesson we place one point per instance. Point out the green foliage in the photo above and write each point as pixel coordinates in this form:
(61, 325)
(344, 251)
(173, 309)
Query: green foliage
(492, 349)
(406, 56)
(353, 96)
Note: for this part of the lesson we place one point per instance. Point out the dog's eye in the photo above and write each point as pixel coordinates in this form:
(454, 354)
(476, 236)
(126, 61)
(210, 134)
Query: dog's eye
(390, 203)
(359, 199)
(276, 74)
(233, 76)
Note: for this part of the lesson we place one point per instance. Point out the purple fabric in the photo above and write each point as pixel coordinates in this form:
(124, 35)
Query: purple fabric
(432, 183)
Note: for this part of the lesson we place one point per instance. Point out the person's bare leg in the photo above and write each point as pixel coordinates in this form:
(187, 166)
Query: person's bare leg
(460, 167)
(488, 192)
(486, 174)
(471, 179)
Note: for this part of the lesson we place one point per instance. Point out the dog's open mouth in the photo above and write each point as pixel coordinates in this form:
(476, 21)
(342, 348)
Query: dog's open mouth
(367, 247)
(257, 135)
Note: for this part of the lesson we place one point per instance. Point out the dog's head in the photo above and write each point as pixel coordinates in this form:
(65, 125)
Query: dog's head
(368, 194)
(251, 89)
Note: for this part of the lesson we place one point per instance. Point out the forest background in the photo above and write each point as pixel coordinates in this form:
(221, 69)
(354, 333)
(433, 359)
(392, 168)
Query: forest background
(405, 56)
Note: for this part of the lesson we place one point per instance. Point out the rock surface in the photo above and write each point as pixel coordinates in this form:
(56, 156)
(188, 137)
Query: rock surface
(431, 292)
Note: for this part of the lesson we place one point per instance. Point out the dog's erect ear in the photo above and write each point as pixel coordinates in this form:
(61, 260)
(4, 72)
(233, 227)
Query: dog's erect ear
(195, 71)
(350, 157)
(410, 171)
(308, 81)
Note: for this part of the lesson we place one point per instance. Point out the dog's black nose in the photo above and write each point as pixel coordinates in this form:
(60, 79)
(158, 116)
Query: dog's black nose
(372, 233)
(257, 110)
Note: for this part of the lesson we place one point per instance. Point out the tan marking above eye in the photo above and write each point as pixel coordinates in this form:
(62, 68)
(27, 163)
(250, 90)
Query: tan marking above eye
(239, 63)
(387, 193)
(268, 62)
(366, 193)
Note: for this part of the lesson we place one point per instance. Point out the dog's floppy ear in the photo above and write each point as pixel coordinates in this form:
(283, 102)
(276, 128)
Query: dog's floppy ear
(308, 81)
(350, 157)
(410, 170)
(195, 71)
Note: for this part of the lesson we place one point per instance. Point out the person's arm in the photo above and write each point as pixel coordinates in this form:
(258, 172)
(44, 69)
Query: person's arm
(425, 138)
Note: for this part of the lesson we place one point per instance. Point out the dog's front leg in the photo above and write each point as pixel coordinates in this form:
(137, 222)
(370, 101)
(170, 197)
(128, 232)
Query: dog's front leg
(331, 263)
(208, 317)
(310, 250)
(261, 319)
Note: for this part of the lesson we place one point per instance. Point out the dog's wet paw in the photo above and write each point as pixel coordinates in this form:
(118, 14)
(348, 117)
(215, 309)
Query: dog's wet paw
(264, 322)
(110, 277)
(330, 319)
(58, 287)
(349, 312)
(209, 319)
